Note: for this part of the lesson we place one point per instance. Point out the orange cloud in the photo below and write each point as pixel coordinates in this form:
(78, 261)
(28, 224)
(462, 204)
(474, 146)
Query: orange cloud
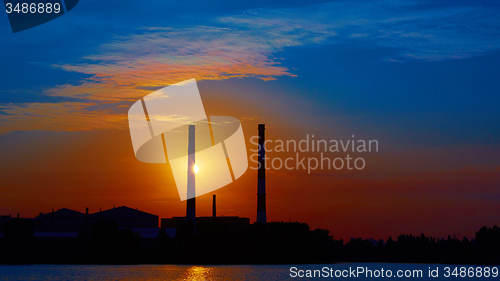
(128, 68)
(65, 116)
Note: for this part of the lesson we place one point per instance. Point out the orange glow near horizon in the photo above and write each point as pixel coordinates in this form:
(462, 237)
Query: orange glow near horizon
(348, 204)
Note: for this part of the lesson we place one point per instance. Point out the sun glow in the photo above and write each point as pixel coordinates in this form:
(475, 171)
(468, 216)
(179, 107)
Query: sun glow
(196, 169)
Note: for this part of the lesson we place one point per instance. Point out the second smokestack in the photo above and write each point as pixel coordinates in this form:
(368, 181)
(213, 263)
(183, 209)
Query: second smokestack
(214, 208)
(261, 185)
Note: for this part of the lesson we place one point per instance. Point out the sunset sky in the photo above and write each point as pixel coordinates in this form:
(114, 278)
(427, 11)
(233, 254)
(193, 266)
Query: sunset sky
(421, 77)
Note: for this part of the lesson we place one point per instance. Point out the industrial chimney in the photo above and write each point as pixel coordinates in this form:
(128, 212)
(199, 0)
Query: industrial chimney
(191, 180)
(261, 189)
(214, 208)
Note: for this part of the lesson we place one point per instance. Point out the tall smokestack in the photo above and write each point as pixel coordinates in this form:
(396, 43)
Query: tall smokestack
(191, 180)
(261, 189)
(214, 209)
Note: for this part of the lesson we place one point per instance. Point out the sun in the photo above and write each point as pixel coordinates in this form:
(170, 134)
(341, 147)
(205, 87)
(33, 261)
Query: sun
(196, 169)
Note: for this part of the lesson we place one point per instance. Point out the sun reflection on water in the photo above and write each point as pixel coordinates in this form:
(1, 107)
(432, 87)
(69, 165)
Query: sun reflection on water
(196, 273)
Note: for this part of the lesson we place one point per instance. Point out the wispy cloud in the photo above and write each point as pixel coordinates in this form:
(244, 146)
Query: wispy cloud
(67, 116)
(126, 67)
(429, 34)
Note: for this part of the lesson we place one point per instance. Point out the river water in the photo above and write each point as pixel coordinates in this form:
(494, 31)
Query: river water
(246, 272)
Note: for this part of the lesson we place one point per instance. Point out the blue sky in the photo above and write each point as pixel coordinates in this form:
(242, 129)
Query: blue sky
(417, 59)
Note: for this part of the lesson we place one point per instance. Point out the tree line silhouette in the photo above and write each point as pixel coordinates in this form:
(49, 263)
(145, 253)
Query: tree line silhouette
(212, 243)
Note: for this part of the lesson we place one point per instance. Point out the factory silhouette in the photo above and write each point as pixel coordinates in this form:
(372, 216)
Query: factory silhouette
(124, 235)
(68, 223)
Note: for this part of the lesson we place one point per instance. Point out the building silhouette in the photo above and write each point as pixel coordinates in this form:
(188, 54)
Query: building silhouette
(233, 222)
(67, 223)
